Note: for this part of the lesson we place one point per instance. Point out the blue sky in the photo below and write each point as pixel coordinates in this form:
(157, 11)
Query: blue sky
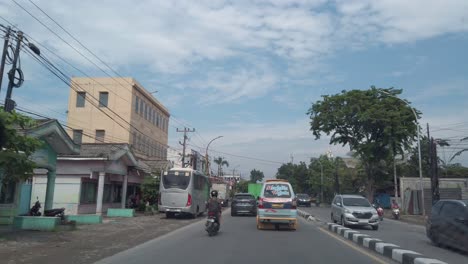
(249, 70)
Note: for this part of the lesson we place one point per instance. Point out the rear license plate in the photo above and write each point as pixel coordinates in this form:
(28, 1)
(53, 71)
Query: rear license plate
(211, 220)
(244, 204)
(277, 205)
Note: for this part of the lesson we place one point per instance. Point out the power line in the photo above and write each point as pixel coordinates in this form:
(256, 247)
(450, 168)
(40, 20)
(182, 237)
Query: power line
(240, 156)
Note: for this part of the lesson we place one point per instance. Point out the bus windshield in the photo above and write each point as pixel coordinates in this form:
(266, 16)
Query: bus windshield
(176, 179)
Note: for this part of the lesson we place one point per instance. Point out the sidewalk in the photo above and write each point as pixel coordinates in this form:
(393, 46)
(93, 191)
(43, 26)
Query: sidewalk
(410, 219)
(88, 243)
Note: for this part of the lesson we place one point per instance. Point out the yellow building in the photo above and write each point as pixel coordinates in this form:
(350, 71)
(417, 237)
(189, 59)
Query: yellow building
(118, 110)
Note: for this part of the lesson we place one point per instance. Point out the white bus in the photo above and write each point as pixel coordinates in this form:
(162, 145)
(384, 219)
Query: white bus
(183, 191)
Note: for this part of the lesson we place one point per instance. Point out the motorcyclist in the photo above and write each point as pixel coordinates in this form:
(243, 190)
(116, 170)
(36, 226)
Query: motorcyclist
(214, 206)
(395, 205)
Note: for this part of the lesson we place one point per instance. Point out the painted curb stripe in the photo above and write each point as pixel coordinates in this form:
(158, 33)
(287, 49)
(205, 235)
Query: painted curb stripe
(388, 250)
(372, 243)
(423, 260)
(368, 240)
(379, 247)
(349, 234)
(359, 238)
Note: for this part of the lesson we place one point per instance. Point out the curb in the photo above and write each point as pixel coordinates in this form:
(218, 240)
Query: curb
(389, 250)
(306, 215)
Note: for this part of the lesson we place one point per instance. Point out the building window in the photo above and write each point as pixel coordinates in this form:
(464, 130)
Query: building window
(103, 99)
(100, 135)
(137, 103)
(117, 193)
(88, 192)
(141, 107)
(146, 111)
(107, 195)
(8, 191)
(134, 139)
(78, 136)
(150, 114)
(80, 99)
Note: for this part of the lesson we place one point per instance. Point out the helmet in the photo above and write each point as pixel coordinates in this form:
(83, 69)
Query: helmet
(214, 193)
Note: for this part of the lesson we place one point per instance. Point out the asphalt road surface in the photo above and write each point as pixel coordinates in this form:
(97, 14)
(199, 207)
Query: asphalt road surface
(240, 242)
(408, 236)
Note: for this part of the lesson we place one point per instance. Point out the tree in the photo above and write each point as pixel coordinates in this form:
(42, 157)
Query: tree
(150, 189)
(370, 122)
(220, 161)
(458, 153)
(256, 176)
(296, 175)
(242, 186)
(16, 148)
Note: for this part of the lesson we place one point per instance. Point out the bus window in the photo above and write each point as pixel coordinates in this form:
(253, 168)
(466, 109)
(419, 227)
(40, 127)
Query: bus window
(176, 179)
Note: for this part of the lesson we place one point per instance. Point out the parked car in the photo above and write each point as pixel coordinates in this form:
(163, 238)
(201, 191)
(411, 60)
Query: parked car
(448, 224)
(354, 210)
(303, 199)
(277, 205)
(243, 203)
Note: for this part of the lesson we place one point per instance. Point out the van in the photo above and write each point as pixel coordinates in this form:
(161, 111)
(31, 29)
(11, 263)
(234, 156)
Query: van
(277, 205)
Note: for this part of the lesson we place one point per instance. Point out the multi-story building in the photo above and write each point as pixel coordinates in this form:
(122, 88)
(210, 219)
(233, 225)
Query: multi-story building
(118, 110)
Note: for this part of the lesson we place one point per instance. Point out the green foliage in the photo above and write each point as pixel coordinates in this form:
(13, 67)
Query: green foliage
(242, 186)
(150, 189)
(256, 176)
(297, 175)
(15, 147)
(373, 123)
(454, 171)
(220, 161)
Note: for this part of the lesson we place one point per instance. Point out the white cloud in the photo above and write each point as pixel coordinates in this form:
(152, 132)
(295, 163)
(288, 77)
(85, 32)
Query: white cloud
(176, 36)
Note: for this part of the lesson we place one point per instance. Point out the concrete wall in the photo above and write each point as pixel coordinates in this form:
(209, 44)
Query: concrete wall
(121, 100)
(89, 118)
(67, 192)
(413, 184)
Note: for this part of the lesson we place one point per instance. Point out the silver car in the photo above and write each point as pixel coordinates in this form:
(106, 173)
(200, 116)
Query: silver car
(354, 210)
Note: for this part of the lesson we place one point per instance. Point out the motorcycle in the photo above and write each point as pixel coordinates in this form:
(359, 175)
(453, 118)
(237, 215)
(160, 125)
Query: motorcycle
(56, 212)
(396, 213)
(380, 211)
(34, 211)
(212, 224)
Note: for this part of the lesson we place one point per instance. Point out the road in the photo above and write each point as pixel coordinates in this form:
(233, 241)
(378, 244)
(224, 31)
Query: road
(240, 242)
(408, 236)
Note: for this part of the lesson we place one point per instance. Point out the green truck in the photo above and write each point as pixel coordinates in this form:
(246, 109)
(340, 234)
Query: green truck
(255, 189)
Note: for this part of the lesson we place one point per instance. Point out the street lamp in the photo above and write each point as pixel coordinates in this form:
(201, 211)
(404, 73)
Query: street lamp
(206, 155)
(421, 186)
(234, 169)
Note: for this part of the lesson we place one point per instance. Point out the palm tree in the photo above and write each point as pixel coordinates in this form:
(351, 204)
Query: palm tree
(221, 162)
(458, 153)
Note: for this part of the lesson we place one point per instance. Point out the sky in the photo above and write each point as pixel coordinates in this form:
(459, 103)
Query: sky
(250, 70)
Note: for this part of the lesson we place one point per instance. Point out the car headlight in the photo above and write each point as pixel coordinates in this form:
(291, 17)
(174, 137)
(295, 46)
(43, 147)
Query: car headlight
(347, 211)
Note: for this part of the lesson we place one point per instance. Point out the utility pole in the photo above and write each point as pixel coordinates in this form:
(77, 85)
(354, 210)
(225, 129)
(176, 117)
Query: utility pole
(4, 54)
(434, 168)
(337, 180)
(10, 104)
(185, 142)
